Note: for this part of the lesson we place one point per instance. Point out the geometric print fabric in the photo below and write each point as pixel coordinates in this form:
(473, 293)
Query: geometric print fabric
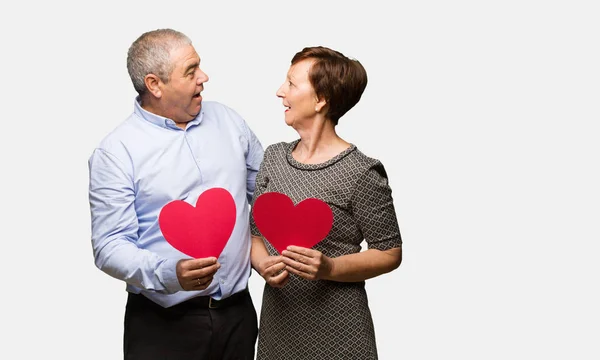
(321, 319)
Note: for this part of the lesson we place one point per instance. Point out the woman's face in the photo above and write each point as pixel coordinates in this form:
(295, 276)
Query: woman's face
(298, 95)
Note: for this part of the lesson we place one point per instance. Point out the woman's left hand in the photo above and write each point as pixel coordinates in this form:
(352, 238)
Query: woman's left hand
(307, 263)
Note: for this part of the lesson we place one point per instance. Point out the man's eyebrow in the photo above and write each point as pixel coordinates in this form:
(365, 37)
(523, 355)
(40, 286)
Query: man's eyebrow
(191, 66)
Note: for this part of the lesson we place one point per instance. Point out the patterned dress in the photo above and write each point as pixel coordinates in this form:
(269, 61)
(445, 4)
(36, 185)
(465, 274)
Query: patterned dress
(326, 320)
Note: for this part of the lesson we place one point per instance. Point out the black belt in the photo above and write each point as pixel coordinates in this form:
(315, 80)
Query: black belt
(198, 302)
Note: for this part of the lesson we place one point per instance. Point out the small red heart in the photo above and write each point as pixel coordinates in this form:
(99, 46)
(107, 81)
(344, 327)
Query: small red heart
(283, 224)
(201, 231)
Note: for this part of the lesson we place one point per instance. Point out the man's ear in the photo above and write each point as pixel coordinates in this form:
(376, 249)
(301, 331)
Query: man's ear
(153, 83)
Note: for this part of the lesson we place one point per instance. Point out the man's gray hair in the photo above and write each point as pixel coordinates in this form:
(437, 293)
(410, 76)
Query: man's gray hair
(149, 54)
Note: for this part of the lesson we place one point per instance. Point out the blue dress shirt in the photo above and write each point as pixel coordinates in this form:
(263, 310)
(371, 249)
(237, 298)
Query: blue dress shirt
(148, 161)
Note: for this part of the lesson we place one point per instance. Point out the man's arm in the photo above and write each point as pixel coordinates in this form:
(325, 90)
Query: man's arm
(115, 227)
(254, 157)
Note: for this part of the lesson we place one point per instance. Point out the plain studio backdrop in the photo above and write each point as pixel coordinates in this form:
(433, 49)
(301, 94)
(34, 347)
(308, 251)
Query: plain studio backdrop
(484, 113)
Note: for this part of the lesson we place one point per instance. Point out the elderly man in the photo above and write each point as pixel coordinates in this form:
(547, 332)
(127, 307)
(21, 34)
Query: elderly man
(172, 147)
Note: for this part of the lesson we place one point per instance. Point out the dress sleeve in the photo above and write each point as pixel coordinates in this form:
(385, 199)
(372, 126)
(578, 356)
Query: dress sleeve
(262, 180)
(373, 209)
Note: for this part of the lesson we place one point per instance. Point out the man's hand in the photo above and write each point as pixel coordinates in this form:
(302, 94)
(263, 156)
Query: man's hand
(272, 269)
(196, 274)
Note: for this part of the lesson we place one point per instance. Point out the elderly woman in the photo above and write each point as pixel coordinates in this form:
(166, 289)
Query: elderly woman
(314, 303)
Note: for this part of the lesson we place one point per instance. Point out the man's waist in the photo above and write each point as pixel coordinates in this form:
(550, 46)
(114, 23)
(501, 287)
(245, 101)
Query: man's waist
(211, 303)
(194, 303)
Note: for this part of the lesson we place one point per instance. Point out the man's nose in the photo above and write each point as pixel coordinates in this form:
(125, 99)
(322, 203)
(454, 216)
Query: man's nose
(202, 77)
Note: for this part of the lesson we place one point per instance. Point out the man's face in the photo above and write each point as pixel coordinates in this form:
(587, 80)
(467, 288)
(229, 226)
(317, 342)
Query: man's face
(180, 97)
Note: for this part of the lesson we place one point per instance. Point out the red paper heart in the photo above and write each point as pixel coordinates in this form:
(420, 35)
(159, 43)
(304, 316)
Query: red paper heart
(283, 224)
(200, 231)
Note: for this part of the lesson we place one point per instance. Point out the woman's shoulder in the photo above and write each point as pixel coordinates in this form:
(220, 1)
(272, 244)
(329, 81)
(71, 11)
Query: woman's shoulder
(280, 147)
(364, 161)
(274, 153)
(367, 167)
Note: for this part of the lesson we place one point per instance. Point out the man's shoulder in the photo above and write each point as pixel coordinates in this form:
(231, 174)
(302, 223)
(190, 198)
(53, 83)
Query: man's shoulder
(220, 113)
(219, 109)
(120, 135)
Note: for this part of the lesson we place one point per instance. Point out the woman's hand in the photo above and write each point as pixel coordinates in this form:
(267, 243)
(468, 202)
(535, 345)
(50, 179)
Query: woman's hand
(272, 269)
(307, 263)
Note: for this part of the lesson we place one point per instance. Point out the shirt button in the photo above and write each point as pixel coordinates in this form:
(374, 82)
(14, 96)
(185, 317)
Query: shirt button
(222, 281)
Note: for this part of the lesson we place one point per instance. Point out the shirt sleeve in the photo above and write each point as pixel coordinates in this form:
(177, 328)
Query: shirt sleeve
(262, 180)
(254, 158)
(115, 228)
(373, 209)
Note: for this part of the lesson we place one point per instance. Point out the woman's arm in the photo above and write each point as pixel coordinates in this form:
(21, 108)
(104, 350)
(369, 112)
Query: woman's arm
(313, 265)
(271, 268)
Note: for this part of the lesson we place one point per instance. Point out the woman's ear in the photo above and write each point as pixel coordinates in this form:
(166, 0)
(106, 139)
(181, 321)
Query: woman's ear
(320, 104)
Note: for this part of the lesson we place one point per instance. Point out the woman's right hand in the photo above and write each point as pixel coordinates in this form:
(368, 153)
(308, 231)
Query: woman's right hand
(272, 269)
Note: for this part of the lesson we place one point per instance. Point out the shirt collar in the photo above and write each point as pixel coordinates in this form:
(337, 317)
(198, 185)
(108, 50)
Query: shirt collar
(161, 120)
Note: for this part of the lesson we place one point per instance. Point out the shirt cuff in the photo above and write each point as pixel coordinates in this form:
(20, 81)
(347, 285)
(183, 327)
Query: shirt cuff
(168, 275)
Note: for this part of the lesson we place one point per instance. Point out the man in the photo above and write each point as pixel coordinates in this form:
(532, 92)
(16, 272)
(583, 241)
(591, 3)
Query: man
(174, 147)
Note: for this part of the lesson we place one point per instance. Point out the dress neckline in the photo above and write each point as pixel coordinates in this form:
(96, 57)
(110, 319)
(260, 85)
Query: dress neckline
(297, 164)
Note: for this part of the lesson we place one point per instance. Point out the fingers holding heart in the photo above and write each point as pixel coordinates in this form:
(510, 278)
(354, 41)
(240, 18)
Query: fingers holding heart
(279, 278)
(203, 272)
(302, 262)
(307, 263)
(275, 269)
(196, 274)
(272, 269)
(201, 283)
(299, 258)
(302, 270)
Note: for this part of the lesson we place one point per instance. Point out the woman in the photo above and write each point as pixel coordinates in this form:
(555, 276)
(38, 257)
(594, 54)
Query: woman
(314, 303)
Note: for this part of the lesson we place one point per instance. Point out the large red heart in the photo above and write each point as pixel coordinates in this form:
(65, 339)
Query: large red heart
(283, 224)
(201, 231)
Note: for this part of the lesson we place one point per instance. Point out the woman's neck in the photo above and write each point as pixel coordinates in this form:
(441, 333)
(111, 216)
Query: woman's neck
(318, 144)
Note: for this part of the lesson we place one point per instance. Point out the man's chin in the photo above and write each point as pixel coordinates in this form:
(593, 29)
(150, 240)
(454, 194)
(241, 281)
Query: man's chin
(194, 113)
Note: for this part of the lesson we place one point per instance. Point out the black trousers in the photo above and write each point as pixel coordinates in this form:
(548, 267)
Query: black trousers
(191, 330)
